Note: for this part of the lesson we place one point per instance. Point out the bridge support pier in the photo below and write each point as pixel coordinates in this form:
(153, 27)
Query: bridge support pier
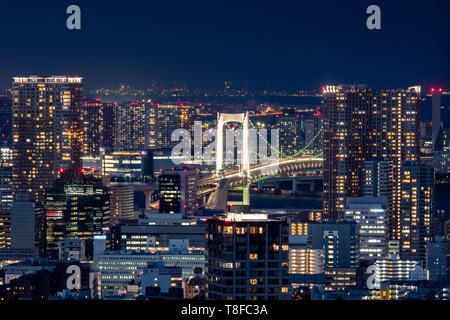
(312, 186)
(294, 185)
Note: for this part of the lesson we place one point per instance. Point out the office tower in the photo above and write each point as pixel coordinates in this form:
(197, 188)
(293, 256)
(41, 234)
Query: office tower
(438, 259)
(98, 126)
(23, 227)
(362, 124)
(417, 210)
(178, 191)
(76, 206)
(122, 203)
(370, 214)
(136, 126)
(288, 124)
(47, 131)
(396, 269)
(168, 120)
(247, 258)
(100, 245)
(436, 111)
(125, 165)
(339, 240)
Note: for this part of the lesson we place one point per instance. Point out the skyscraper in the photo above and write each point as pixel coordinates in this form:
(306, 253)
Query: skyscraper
(361, 124)
(47, 131)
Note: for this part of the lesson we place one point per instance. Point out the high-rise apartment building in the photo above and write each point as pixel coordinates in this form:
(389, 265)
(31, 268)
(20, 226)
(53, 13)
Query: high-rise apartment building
(121, 203)
(47, 130)
(362, 124)
(169, 119)
(370, 214)
(98, 126)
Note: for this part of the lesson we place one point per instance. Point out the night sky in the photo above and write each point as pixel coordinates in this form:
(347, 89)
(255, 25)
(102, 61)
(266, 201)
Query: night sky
(276, 44)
